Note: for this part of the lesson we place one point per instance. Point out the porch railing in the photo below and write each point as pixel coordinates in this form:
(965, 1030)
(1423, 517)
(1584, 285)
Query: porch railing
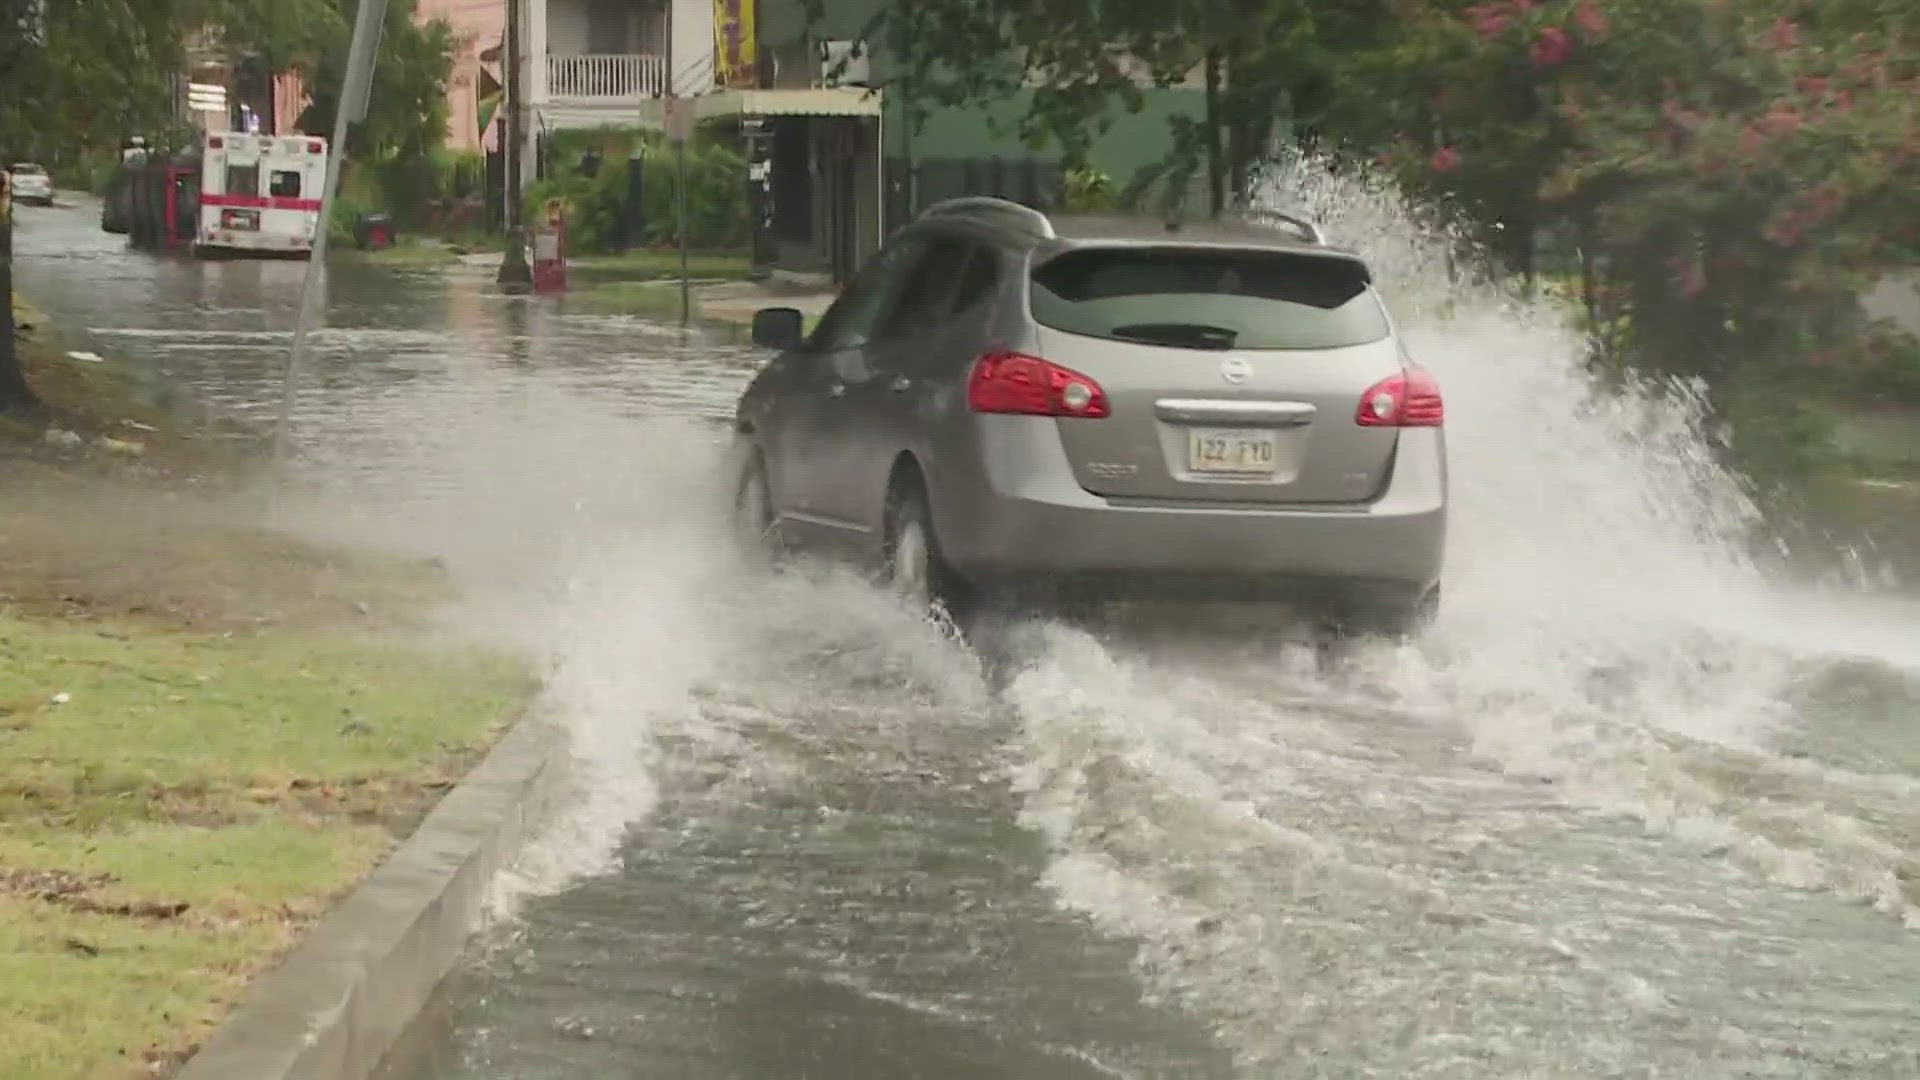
(606, 76)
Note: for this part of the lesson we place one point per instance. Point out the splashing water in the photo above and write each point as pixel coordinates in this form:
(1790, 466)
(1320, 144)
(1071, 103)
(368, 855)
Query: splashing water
(1484, 853)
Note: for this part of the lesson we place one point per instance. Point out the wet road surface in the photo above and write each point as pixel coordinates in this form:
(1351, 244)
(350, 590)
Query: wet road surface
(1635, 808)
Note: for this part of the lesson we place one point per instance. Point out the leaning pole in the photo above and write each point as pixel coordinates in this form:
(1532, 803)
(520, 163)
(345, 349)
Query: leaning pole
(354, 92)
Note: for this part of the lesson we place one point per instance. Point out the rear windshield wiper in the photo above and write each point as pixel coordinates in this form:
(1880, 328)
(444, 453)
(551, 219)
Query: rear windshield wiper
(1179, 335)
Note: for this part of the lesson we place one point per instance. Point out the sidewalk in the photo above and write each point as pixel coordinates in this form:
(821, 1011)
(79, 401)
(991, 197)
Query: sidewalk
(736, 301)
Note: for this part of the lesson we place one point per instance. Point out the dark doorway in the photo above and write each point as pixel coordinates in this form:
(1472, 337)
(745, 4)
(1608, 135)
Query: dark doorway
(792, 180)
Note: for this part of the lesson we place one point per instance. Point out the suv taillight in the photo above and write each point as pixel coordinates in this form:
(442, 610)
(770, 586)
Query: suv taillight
(1015, 383)
(1409, 399)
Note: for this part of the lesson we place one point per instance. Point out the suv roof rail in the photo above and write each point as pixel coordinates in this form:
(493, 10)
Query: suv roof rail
(1024, 218)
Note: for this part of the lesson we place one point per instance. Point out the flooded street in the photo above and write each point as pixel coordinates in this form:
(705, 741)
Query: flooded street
(1643, 804)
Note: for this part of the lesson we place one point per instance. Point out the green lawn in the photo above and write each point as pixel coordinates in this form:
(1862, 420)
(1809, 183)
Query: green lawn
(658, 266)
(175, 807)
(209, 731)
(413, 253)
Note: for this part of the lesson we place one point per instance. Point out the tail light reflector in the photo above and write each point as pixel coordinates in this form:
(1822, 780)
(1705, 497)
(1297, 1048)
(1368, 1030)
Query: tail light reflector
(1018, 384)
(215, 142)
(1409, 399)
(316, 147)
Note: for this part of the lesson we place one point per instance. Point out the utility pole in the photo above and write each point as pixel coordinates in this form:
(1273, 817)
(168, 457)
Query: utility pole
(686, 288)
(676, 114)
(516, 276)
(354, 91)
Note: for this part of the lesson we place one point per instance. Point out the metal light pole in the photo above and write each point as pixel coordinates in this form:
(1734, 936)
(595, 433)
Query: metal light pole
(354, 91)
(516, 276)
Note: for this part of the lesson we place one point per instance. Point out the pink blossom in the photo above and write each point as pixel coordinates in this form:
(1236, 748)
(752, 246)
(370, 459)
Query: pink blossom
(1693, 280)
(1593, 22)
(1552, 48)
(1489, 20)
(1445, 160)
(1785, 34)
(1781, 120)
(1785, 230)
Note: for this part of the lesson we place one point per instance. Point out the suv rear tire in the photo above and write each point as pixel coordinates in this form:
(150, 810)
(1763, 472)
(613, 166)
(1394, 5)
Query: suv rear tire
(1402, 616)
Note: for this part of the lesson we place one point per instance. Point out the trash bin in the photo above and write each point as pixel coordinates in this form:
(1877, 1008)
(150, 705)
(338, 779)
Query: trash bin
(373, 232)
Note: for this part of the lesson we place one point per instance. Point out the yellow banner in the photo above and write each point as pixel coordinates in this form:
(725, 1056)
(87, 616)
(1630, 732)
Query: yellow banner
(735, 58)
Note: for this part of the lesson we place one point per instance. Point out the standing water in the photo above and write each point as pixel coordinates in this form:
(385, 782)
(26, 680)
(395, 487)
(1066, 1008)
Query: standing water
(1634, 807)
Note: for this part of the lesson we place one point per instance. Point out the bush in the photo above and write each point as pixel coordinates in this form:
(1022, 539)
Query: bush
(717, 208)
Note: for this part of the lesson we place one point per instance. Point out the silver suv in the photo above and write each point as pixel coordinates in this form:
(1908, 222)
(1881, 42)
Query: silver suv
(1004, 403)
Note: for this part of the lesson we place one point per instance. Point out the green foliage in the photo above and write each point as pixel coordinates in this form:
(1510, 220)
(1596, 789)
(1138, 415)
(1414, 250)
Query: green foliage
(407, 111)
(1733, 211)
(102, 74)
(417, 190)
(1089, 190)
(1265, 62)
(717, 208)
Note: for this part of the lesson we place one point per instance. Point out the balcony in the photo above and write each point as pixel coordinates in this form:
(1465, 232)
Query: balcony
(605, 78)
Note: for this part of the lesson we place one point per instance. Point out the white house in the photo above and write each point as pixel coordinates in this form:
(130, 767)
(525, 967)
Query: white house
(596, 61)
(612, 63)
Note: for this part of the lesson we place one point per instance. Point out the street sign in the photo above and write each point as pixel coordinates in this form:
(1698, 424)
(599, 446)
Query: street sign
(676, 115)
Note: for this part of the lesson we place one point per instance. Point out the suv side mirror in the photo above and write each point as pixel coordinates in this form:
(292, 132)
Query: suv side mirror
(781, 328)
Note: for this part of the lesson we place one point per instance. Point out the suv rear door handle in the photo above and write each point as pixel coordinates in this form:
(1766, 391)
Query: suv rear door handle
(901, 384)
(836, 388)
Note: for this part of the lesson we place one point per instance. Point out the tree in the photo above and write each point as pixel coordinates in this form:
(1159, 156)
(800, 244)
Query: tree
(98, 67)
(1262, 63)
(407, 112)
(1731, 212)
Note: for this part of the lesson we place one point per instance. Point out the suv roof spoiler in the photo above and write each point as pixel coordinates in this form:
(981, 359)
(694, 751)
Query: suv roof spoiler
(1306, 230)
(1024, 218)
(1028, 220)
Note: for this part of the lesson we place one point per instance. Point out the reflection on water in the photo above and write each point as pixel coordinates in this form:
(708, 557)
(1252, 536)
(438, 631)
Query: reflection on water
(404, 359)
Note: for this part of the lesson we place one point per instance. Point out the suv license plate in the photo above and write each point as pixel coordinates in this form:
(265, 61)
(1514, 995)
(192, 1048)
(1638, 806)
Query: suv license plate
(240, 219)
(1231, 452)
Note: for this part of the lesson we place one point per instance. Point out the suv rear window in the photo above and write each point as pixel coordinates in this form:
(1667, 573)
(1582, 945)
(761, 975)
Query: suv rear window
(24, 169)
(1208, 299)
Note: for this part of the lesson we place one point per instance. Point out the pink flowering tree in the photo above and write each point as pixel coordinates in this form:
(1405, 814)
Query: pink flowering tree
(1735, 172)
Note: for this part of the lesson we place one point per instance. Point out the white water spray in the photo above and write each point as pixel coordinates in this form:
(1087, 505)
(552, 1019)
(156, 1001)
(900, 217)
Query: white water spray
(1421, 859)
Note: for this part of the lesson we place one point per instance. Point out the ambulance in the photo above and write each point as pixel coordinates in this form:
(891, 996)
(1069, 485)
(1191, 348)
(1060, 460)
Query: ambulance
(259, 194)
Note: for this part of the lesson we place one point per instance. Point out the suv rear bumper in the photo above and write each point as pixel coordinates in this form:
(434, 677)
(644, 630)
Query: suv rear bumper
(1054, 537)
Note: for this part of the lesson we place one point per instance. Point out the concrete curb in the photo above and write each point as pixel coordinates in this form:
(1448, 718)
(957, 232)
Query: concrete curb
(345, 996)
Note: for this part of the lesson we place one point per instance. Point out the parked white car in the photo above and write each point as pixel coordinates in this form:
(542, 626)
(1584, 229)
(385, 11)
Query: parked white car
(30, 183)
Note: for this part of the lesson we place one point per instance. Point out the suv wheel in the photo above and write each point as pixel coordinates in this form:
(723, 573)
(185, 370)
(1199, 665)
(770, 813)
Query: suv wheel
(1390, 616)
(913, 567)
(753, 513)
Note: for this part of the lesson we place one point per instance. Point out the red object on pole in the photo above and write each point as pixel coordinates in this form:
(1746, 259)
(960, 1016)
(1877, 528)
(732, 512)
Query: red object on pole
(550, 250)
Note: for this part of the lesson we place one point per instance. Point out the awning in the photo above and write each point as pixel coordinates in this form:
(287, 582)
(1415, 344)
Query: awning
(725, 104)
